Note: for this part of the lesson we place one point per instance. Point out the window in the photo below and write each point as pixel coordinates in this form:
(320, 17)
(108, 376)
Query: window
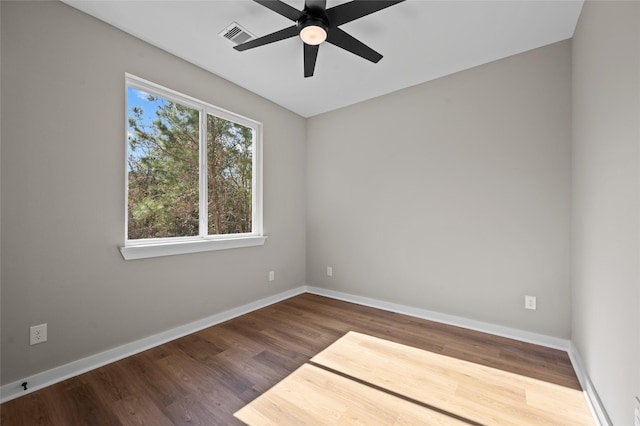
(193, 175)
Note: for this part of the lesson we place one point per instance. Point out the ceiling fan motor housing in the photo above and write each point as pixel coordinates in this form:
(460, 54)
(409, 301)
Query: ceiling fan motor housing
(313, 17)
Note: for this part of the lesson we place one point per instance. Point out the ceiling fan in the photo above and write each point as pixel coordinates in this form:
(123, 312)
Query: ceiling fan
(315, 24)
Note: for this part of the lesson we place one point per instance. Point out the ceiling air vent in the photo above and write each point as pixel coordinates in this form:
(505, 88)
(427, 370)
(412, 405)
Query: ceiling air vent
(236, 34)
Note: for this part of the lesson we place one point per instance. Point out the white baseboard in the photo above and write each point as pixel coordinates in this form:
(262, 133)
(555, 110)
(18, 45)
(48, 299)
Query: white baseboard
(47, 378)
(597, 408)
(485, 327)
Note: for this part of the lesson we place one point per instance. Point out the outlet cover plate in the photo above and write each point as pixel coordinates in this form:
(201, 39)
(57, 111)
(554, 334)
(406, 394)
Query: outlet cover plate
(37, 334)
(530, 302)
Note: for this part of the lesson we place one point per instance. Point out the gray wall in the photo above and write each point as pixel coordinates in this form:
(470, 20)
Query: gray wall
(63, 169)
(606, 204)
(452, 195)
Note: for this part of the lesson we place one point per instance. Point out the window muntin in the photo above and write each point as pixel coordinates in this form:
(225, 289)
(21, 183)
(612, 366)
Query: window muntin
(193, 170)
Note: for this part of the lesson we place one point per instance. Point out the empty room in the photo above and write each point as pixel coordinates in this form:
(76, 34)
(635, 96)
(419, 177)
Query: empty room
(320, 212)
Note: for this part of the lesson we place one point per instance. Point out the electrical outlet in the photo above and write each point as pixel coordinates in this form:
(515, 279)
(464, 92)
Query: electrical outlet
(272, 275)
(329, 271)
(37, 334)
(530, 302)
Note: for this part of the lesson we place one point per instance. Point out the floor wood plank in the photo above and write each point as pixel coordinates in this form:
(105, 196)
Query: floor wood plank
(203, 378)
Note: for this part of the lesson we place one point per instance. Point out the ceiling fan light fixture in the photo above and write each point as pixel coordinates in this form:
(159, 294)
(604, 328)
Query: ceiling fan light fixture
(313, 34)
(313, 27)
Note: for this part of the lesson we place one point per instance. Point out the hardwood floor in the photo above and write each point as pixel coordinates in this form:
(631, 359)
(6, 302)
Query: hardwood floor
(203, 378)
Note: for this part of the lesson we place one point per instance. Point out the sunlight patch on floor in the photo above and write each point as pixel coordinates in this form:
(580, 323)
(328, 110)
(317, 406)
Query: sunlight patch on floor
(366, 380)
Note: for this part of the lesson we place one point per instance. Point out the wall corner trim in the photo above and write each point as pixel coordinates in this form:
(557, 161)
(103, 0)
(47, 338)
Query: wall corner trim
(597, 408)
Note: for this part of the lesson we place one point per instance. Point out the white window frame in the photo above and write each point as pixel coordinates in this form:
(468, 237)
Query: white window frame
(155, 247)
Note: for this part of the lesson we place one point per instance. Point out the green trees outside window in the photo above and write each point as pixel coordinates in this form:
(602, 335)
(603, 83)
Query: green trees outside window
(166, 171)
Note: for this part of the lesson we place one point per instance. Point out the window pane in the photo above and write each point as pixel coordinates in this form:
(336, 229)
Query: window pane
(229, 168)
(163, 160)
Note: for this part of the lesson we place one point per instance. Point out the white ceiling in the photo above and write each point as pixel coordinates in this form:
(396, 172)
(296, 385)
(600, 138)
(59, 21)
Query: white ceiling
(420, 40)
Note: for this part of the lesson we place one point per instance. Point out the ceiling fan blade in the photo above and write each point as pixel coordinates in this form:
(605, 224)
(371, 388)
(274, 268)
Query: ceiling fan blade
(269, 38)
(281, 8)
(318, 4)
(341, 39)
(348, 12)
(310, 56)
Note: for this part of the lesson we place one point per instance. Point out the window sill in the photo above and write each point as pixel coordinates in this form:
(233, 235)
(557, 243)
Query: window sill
(185, 247)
